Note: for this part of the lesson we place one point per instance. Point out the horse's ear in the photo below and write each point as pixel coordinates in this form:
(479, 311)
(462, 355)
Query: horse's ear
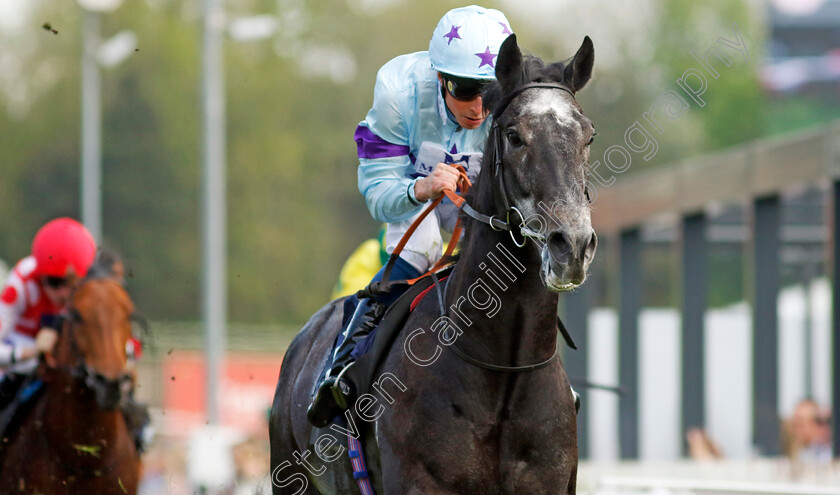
(118, 271)
(579, 70)
(108, 264)
(509, 65)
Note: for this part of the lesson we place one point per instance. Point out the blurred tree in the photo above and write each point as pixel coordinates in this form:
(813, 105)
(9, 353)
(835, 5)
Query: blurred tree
(293, 102)
(734, 106)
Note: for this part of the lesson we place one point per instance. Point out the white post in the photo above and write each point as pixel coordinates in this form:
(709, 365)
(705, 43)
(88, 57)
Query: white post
(91, 190)
(214, 268)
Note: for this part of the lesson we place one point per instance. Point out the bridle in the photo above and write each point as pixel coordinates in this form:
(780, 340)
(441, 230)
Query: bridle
(68, 323)
(504, 209)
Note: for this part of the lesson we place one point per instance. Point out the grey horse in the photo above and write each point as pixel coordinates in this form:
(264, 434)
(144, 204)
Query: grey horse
(471, 398)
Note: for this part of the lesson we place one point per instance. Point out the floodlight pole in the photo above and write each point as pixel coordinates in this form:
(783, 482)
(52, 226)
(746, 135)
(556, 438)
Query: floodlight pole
(91, 183)
(214, 252)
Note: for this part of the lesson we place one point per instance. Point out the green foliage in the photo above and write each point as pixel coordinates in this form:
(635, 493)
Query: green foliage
(294, 212)
(734, 107)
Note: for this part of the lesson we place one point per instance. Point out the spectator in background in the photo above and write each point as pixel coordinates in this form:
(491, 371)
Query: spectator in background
(807, 433)
(701, 447)
(251, 458)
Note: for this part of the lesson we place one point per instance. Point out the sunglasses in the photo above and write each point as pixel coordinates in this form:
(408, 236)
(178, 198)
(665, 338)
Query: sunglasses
(56, 282)
(463, 88)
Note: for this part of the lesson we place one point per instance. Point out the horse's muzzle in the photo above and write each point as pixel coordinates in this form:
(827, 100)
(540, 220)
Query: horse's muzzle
(565, 258)
(108, 391)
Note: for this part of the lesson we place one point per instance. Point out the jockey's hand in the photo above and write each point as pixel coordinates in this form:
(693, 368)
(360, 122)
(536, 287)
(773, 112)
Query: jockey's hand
(442, 177)
(45, 340)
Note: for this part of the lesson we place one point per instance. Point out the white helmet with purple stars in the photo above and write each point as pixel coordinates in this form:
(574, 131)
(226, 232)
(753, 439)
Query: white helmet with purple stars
(466, 42)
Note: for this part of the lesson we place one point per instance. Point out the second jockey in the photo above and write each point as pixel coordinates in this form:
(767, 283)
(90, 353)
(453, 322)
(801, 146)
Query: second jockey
(38, 288)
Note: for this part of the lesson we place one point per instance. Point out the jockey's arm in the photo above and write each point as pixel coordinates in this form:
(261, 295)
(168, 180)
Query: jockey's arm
(389, 195)
(383, 146)
(12, 306)
(386, 164)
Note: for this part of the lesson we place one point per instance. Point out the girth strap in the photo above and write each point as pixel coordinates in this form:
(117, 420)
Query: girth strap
(517, 369)
(503, 369)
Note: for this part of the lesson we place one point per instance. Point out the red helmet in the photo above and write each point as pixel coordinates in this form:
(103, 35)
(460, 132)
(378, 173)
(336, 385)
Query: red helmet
(62, 244)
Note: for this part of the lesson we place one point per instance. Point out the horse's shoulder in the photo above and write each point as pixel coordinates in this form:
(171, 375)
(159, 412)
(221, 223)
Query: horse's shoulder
(324, 323)
(320, 321)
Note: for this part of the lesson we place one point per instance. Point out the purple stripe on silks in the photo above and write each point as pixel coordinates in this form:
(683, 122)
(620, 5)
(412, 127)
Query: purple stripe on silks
(369, 145)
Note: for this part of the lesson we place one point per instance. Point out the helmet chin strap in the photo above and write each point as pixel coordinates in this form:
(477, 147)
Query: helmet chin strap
(443, 107)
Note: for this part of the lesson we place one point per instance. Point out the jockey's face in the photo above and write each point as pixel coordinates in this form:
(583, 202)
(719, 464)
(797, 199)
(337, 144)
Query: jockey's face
(468, 113)
(58, 289)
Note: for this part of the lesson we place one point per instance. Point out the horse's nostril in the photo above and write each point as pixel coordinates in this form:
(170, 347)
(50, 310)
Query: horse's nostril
(564, 250)
(589, 248)
(559, 247)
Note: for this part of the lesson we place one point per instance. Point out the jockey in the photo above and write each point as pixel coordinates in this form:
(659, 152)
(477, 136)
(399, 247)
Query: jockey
(37, 289)
(427, 116)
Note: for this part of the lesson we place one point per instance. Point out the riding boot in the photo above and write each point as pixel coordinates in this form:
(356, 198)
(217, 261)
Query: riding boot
(333, 393)
(9, 387)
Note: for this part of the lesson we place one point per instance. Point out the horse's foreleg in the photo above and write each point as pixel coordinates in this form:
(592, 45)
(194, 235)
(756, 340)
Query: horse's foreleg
(571, 489)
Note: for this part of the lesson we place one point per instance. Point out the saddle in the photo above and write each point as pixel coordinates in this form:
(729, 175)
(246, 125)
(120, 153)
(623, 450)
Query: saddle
(362, 371)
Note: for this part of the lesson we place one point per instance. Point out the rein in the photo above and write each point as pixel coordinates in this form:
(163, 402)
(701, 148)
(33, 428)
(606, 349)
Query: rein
(508, 369)
(504, 369)
(500, 197)
(503, 207)
(503, 210)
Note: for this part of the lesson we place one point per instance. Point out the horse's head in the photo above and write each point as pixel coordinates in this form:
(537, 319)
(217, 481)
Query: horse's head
(93, 340)
(540, 150)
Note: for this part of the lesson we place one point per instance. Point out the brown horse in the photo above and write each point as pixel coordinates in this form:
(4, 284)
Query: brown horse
(75, 439)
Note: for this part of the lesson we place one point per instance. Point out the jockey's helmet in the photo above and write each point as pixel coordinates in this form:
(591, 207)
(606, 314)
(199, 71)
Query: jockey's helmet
(62, 244)
(466, 42)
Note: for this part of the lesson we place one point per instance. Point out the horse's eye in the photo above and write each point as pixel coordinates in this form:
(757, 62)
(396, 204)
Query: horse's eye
(592, 139)
(514, 138)
(586, 193)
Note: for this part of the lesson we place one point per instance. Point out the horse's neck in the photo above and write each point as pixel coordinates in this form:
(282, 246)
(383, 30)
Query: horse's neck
(73, 420)
(505, 310)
